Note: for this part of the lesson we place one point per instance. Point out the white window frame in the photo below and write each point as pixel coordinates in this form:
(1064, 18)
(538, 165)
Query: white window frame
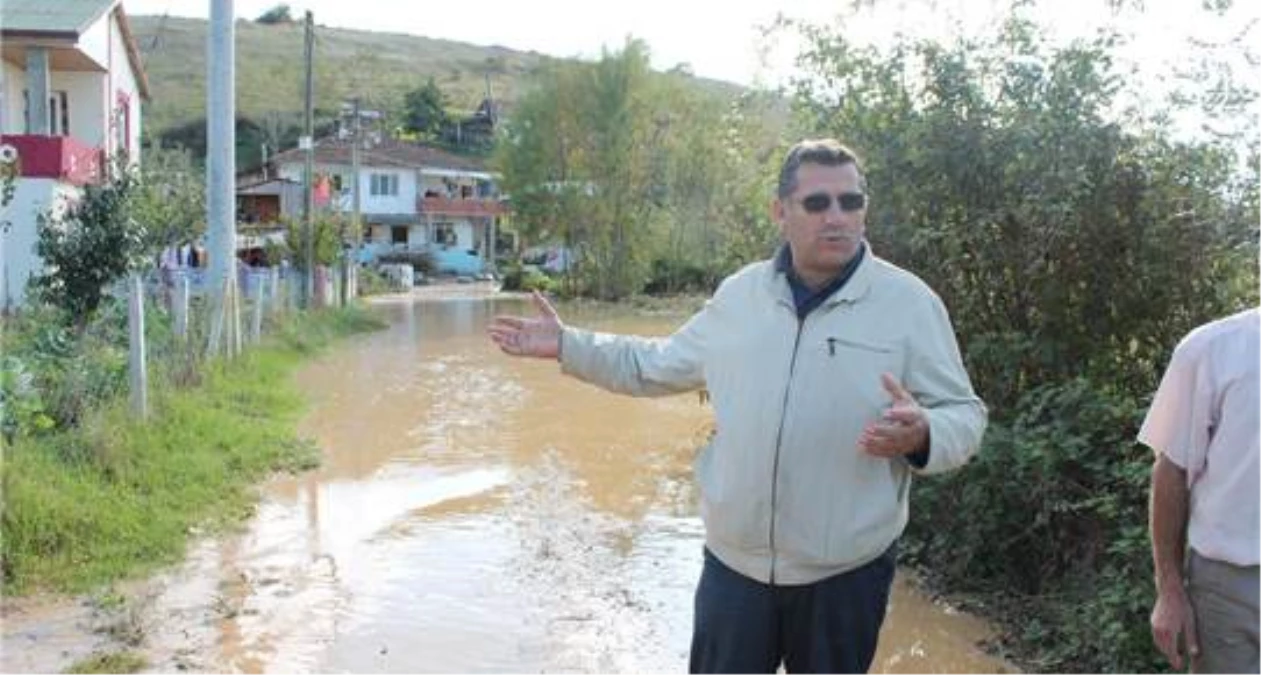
(383, 185)
(444, 234)
(58, 112)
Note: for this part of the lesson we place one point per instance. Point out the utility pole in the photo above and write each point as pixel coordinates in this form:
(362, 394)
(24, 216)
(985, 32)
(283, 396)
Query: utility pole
(492, 236)
(220, 178)
(352, 272)
(307, 143)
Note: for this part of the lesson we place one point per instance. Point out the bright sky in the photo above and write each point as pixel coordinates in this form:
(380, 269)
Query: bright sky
(720, 39)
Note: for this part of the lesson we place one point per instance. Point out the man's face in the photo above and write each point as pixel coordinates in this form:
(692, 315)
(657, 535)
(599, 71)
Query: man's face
(820, 221)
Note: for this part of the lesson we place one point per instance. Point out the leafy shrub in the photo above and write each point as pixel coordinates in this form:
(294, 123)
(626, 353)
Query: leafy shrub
(96, 242)
(1053, 508)
(517, 277)
(372, 282)
(670, 275)
(1073, 253)
(21, 406)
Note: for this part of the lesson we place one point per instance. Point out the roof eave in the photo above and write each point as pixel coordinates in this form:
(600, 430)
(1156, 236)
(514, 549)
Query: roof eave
(133, 52)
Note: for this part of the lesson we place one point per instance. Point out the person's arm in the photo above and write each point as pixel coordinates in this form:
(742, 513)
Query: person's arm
(621, 363)
(639, 366)
(937, 420)
(1172, 616)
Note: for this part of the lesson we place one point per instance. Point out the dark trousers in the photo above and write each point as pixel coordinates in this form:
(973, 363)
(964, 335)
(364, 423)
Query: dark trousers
(830, 626)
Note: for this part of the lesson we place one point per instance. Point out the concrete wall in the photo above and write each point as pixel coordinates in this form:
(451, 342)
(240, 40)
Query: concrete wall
(84, 92)
(12, 80)
(402, 203)
(18, 262)
(95, 41)
(92, 100)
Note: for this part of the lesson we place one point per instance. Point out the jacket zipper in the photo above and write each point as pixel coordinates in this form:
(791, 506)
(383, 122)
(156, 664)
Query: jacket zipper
(779, 439)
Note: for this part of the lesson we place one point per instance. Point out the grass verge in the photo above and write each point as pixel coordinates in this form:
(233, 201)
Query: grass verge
(110, 662)
(114, 497)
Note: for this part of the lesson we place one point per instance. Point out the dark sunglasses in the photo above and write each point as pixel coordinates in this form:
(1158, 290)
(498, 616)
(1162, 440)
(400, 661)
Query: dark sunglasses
(822, 201)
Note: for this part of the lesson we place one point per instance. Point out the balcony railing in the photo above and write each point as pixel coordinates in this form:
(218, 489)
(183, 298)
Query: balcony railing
(58, 157)
(443, 206)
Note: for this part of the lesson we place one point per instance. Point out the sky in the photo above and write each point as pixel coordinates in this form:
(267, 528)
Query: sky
(720, 38)
(724, 40)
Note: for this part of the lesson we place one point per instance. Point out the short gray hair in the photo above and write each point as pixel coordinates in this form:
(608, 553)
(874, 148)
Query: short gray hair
(825, 151)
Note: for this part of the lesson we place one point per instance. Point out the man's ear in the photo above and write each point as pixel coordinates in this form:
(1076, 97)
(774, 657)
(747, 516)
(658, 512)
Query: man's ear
(778, 214)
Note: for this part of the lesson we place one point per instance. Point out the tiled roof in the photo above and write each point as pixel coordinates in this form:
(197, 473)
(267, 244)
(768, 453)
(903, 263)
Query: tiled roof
(389, 153)
(52, 16)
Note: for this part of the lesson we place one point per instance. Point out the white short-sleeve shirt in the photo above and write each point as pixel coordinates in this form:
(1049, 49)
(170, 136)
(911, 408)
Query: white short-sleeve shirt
(1206, 418)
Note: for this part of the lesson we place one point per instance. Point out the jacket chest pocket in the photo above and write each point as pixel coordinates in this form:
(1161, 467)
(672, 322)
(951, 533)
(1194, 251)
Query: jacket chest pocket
(852, 367)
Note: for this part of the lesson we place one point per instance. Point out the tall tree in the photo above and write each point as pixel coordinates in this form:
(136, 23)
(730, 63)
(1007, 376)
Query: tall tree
(425, 110)
(632, 169)
(169, 198)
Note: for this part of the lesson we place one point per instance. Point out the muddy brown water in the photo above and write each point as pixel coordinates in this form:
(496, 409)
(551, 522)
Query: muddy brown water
(473, 513)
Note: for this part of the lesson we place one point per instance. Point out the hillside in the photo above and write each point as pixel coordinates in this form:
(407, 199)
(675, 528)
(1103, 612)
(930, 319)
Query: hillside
(380, 67)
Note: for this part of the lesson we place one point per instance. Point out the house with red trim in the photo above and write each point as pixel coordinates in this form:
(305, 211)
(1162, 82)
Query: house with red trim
(71, 87)
(413, 197)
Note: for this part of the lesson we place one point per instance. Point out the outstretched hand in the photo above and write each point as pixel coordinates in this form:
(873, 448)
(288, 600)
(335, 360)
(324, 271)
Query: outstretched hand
(901, 430)
(524, 336)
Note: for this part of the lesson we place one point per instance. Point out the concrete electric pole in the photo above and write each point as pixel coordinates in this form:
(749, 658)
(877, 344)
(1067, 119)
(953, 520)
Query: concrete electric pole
(221, 179)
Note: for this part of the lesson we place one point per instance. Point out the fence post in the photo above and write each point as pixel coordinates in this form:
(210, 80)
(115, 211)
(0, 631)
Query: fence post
(181, 306)
(136, 353)
(256, 327)
(276, 292)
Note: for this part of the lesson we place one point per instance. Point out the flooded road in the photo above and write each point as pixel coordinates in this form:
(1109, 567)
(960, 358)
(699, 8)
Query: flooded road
(473, 513)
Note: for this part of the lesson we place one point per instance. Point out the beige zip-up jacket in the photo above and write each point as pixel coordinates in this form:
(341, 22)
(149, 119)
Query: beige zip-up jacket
(786, 494)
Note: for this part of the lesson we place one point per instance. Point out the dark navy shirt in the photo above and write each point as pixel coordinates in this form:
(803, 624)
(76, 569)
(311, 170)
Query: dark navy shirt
(808, 300)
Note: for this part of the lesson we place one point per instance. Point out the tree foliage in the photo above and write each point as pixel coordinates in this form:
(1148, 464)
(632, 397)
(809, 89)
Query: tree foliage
(170, 198)
(95, 242)
(280, 14)
(1075, 243)
(645, 178)
(328, 232)
(425, 110)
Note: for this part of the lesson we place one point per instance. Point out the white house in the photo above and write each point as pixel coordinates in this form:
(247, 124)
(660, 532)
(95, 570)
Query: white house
(71, 86)
(411, 196)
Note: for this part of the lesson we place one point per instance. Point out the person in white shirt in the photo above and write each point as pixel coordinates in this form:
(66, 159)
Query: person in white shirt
(1205, 428)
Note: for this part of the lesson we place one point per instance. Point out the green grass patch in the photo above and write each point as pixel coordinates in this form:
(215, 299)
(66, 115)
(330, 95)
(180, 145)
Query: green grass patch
(110, 662)
(115, 497)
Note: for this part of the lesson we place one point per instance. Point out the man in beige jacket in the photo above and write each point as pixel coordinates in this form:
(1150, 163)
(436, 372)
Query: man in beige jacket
(834, 376)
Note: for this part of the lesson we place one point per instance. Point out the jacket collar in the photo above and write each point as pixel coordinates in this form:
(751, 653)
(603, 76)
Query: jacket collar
(853, 290)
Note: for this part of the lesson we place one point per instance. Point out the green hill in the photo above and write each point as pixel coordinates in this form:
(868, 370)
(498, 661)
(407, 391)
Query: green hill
(379, 67)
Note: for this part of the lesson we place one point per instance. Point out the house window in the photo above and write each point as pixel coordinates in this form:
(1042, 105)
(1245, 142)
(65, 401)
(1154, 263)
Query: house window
(58, 113)
(398, 234)
(444, 234)
(384, 185)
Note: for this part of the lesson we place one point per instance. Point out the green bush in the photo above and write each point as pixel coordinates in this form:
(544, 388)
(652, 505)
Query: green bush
(53, 373)
(95, 243)
(519, 278)
(104, 495)
(1073, 252)
(672, 275)
(1053, 508)
(372, 282)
